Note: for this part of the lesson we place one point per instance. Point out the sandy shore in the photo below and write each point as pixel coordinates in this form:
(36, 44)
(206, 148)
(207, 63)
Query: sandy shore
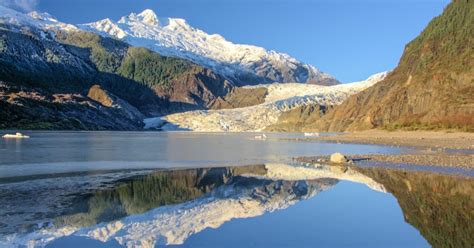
(425, 139)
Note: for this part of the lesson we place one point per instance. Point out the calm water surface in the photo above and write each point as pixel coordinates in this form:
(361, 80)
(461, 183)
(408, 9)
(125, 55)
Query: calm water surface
(149, 189)
(59, 152)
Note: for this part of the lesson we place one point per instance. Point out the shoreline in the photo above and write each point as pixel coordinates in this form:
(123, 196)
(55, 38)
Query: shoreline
(440, 159)
(442, 149)
(419, 139)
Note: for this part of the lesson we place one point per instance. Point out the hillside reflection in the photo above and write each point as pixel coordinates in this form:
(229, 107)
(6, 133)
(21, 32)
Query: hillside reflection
(142, 193)
(167, 207)
(440, 206)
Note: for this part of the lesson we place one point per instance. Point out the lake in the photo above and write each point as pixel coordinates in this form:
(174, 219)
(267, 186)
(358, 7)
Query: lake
(183, 189)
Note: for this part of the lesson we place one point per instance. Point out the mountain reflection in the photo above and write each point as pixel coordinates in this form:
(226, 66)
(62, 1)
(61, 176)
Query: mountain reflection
(167, 207)
(141, 193)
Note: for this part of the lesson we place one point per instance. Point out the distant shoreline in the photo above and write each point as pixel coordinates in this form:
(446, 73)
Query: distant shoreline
(447, 149)
(421, 139)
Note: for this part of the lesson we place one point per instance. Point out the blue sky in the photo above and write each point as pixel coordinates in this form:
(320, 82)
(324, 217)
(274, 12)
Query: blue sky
(348, 39)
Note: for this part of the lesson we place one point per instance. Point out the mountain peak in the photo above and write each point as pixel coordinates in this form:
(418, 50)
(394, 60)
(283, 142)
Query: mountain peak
(148, 16)
(245, 64)
(147, 12)
(34, 19)
(107, 26)
(42, 16)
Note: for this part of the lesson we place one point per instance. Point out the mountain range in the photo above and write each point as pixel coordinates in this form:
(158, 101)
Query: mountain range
(55, 75)
(243, 64)
(80, 80)
(114, 74)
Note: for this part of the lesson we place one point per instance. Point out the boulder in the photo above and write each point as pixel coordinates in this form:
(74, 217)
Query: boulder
(338, 158)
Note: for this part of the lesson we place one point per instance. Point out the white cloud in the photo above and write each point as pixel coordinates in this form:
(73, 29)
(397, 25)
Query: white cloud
(22, 5)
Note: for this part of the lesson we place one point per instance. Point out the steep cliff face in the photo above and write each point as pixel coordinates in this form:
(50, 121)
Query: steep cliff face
(432, 86)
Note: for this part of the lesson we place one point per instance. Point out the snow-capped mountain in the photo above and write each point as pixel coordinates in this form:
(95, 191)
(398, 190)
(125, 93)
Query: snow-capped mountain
(244, 64)
(280, 98)
(43, 21)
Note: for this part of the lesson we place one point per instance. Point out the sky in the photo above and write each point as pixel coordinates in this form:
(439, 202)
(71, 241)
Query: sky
(349, 39)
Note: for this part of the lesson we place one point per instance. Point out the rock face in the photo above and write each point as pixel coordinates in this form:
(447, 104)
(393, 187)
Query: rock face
(27, 108)
(96, 93)
(299, 119)
(109, 100)
(241, 97)
(432, 86)
(338, 158)
(194, 91)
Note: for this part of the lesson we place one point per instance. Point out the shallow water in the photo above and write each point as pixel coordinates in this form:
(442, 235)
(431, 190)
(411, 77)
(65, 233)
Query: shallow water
(61, 152)
(107, 189)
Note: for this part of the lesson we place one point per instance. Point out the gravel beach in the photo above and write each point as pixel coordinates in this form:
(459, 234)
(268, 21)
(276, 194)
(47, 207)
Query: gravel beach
(451, 149)
(426, 139)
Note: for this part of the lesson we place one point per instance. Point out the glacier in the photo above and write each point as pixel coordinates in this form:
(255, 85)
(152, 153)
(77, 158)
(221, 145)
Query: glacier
(280, 98)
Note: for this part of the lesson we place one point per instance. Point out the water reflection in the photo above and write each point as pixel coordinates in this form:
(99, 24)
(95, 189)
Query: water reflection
(168, 207)
(441, 207)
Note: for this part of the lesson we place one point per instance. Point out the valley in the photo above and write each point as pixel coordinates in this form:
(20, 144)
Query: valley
(280, 124)
(279, 99)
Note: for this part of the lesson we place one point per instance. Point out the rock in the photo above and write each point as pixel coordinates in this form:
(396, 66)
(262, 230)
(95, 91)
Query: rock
(101, 96)
(240, 97)
(38, 109)
(338, 158)
(300, 118)
(107, 99)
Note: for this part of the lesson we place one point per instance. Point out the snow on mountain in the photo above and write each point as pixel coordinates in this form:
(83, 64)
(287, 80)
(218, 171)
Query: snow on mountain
(245, 64)
(43, 21)
(280, 98)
